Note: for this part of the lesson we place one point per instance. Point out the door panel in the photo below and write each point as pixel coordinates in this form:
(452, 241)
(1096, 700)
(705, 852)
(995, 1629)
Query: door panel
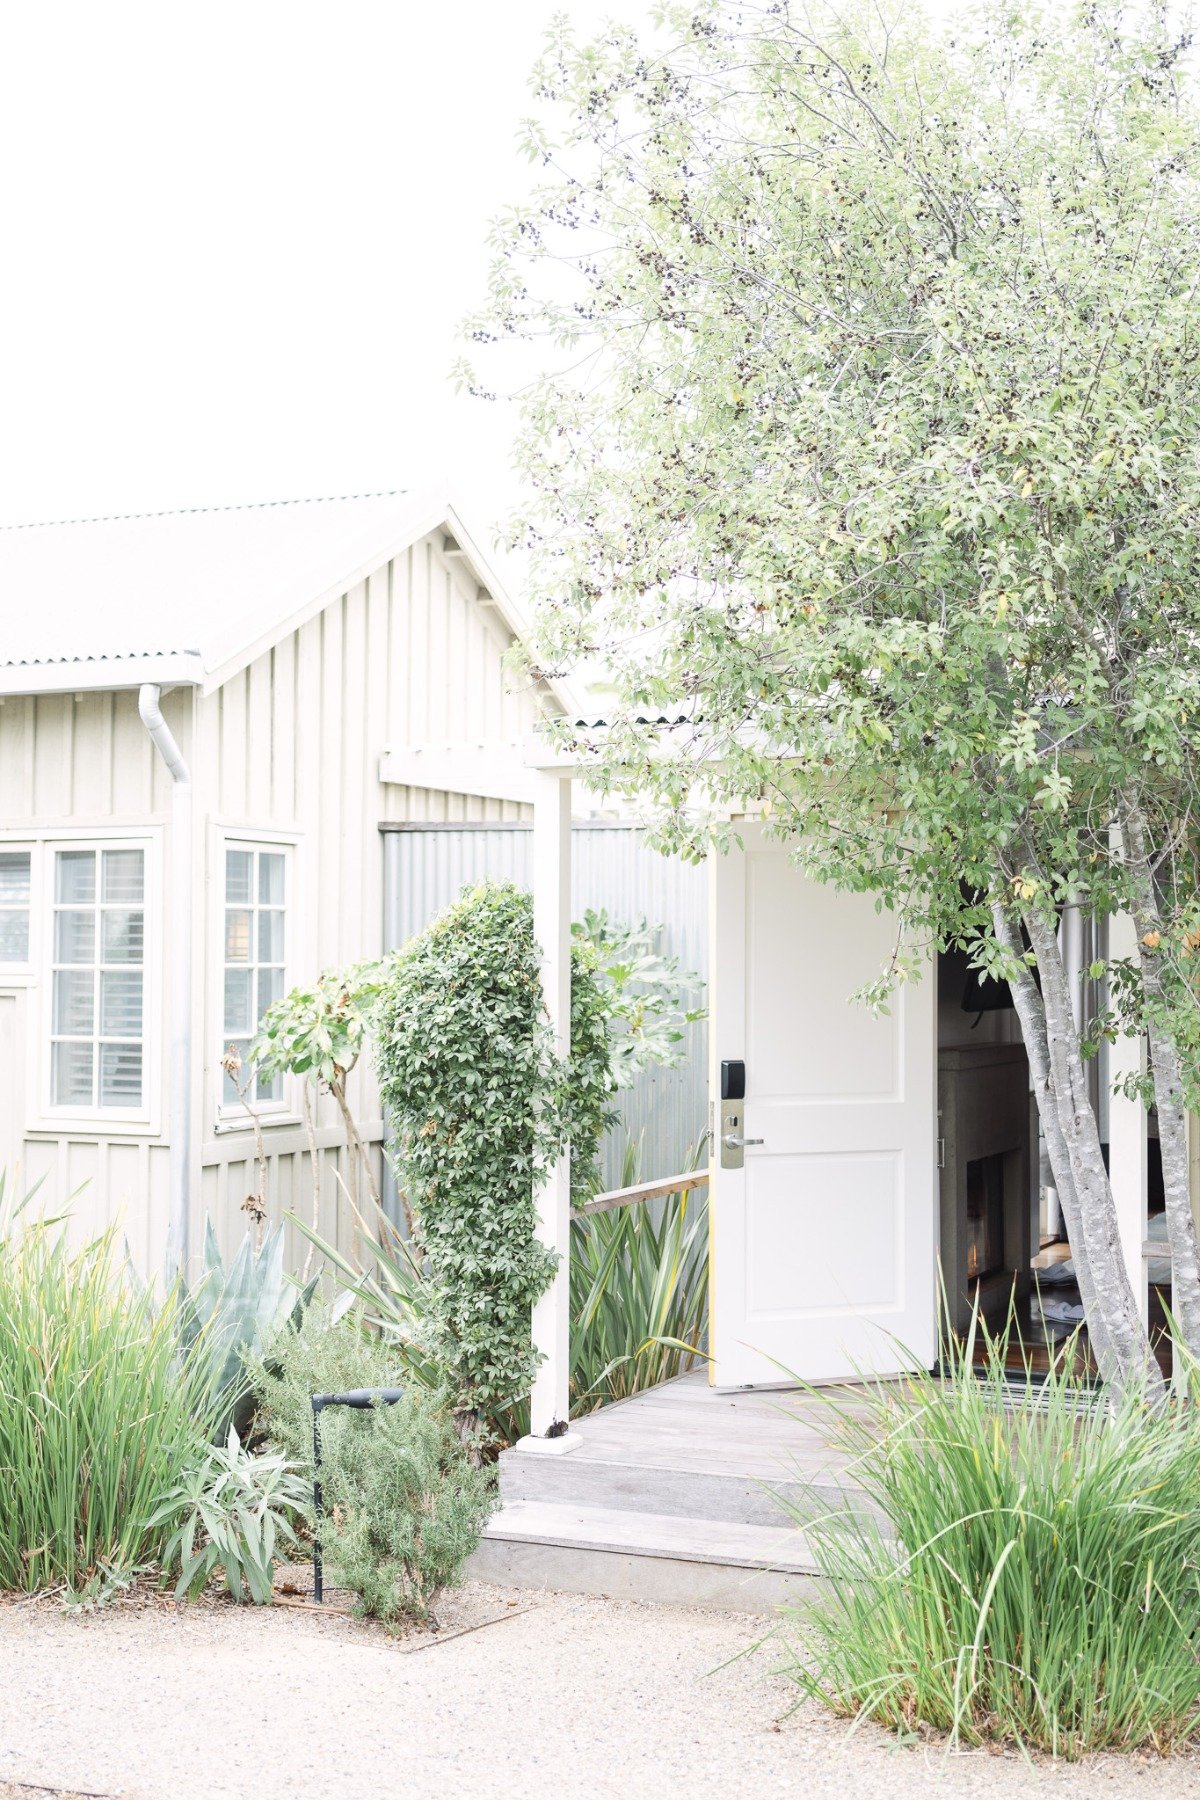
(823, 1243)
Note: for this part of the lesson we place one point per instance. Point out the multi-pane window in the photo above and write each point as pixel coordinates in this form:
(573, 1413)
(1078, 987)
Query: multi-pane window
(254, 934)
(98, 964)
(14, 906)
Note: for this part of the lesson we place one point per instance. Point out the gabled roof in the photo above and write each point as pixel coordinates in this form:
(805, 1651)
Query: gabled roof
(193, 596)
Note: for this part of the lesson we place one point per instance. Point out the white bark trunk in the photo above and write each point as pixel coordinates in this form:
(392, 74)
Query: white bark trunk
(1032, 1015)
(314, 1157)
(1131, 1363)
(1168, 1087)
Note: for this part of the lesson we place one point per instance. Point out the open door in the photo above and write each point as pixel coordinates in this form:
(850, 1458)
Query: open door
(823, 1238)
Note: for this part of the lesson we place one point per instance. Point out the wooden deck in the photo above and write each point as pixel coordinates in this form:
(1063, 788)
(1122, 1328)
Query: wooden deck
(676, 1494)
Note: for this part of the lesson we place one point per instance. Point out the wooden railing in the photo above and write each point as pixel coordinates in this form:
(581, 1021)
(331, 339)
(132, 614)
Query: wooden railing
(641, 1190)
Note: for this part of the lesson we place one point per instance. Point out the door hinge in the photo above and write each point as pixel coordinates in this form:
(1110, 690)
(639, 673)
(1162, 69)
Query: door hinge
(941, 1153)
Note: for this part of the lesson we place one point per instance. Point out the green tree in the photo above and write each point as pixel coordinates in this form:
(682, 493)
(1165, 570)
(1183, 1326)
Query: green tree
(875, 453)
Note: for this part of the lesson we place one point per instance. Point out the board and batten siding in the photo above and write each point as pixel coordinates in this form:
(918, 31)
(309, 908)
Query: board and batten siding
(291, 744)
(74, 765)
(615, 871)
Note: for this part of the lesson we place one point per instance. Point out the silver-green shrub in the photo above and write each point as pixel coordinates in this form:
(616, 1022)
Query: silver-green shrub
(234, 1512)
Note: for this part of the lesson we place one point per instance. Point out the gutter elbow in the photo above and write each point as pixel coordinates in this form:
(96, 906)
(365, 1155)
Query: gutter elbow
(150, 713)
(149, 710)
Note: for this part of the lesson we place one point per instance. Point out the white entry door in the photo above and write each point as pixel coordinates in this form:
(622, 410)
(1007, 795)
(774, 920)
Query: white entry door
(824, 1241)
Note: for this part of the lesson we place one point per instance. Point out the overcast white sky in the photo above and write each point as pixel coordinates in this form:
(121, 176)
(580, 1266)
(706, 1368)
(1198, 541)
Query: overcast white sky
(237, 241)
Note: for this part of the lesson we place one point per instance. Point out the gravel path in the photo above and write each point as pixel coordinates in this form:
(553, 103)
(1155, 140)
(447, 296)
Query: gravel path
(568, 1697)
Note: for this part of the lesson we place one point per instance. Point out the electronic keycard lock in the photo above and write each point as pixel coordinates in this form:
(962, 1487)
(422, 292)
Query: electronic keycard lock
(733, 1094)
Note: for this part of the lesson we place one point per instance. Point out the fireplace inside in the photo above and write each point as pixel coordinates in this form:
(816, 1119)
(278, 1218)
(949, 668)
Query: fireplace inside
(984, 1233)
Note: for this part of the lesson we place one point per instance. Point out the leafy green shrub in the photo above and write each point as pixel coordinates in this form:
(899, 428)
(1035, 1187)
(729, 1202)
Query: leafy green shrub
(231, 1511)
(403, 1505)
(318, 1034)
(1043, 1584)
(645, 995)
(480, 1106)
(639, 1293)
(97, 1415)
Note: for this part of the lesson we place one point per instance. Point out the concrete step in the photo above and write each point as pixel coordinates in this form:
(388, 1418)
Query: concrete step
(693, 1493)
(661, 1557)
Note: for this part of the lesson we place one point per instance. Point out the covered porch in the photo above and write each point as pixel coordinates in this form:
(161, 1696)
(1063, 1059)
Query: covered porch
(673, 1494)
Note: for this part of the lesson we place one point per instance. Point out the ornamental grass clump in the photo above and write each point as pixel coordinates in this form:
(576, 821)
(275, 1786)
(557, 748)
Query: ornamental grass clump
(1042, 1585)
(639, 1292)
(97, 1416)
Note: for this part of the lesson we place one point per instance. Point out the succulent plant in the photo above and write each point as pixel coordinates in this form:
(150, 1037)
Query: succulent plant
(232, 1313)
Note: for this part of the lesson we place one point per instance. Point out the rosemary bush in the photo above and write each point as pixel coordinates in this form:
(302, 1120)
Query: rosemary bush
(1043, 1582)
(403, 1504)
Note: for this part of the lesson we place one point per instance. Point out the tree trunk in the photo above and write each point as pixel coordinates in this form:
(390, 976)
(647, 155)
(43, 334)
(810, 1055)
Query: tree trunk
(360, 1158)
(1168, 1084)
(1128, 1359)
(337, 1088)
(1032, 1015)
(314, 1154)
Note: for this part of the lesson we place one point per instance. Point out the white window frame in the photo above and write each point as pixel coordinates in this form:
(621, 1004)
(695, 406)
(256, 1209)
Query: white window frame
(285, 1110)
(23, 974)
(99, 1121)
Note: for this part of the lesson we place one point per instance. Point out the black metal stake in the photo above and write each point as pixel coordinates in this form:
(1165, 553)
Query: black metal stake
(361, 1399)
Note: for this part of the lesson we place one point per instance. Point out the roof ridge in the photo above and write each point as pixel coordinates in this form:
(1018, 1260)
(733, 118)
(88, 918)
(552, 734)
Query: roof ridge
(180, 512)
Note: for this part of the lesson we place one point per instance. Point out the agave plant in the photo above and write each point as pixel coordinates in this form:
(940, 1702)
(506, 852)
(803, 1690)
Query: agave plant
(390, 1283)
(232, 1313)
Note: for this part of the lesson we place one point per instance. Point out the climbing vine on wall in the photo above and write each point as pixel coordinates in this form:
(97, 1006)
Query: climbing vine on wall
(480, 1106)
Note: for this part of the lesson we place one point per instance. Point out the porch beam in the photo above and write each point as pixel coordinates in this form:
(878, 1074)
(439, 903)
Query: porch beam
(551, 1324)
(487, 771)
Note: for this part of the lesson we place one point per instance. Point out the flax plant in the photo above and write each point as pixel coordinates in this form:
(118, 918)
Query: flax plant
(639, 1293)
(97, 1416)
(1038, 1577)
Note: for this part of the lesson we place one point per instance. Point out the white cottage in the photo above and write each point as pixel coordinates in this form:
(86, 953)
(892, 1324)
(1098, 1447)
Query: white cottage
(193, 707)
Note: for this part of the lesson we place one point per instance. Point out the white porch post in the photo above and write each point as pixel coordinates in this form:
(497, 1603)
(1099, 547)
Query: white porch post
(550, 1403)
(1127, 1133)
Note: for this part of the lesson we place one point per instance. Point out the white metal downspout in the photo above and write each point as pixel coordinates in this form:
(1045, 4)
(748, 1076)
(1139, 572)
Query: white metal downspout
(180, 959)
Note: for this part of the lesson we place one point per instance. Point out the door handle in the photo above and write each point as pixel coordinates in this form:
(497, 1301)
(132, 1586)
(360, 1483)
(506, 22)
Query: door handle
(732, 1141)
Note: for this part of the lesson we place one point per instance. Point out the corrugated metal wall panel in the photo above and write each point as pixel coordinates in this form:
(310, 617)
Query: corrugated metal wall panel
(427, 867)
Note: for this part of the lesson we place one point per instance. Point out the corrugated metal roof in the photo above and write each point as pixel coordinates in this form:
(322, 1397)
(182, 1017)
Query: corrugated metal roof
(199, 584)
(593, 722)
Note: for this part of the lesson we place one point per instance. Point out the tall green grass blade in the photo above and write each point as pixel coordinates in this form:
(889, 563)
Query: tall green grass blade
(1031, 1569)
